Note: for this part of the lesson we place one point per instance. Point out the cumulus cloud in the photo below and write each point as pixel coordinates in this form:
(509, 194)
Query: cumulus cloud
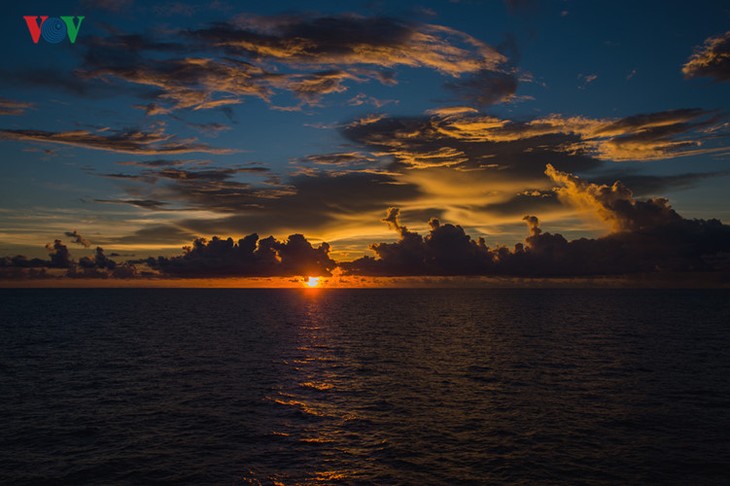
(614, 204)
(453, 163)
(711, 60)
(99, 261)
(248, 256)
(647, 236)
(97, 266)
(131, 141)
(59, 254)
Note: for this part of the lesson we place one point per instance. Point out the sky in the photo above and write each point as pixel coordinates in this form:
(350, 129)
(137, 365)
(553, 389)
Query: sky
(433, 138)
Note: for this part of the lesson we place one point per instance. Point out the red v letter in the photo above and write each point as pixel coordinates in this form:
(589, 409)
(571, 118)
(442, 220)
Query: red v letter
(33, 27)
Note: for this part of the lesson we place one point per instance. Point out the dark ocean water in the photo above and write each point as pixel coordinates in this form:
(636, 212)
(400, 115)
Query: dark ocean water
(136, 386)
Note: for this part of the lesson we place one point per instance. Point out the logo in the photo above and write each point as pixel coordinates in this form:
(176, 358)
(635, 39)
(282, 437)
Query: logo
(53, 29)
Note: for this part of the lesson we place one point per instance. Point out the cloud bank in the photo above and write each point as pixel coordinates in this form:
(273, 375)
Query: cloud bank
(646, 237)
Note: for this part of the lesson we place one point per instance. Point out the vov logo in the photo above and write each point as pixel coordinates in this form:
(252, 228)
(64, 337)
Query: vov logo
(53, 29)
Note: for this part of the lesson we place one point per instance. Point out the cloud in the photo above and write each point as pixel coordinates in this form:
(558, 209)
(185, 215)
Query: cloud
(78, 239)
(60, 256)
(340, 158)
(190, 82)
(130, 141)
(158, 163)
(306, 56)
(614, 204)
(454, 163)
(465, 138)
(10, 107)
(339, 200)
(140, 203)
(485, 87)
(248, 256)
(99, 265)
(647, 236)
(352, 40)
(711, 60)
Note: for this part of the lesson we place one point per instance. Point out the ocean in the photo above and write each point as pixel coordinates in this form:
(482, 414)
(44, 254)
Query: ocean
(364, 386)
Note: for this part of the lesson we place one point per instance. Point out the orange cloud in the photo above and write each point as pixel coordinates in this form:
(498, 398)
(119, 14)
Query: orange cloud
(711, 60)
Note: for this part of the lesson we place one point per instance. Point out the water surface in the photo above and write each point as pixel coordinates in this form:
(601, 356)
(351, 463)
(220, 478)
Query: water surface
(376, 386)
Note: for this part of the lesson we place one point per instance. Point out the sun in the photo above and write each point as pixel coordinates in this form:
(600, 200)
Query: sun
(312, 282)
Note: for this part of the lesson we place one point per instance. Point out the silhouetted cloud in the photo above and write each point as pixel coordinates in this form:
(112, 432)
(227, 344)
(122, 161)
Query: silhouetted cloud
(78, 239)
(60, 256)
(130, 141)
(711, 60)
(97, 266)
(647, 236)
(99, 261)
(248, 256)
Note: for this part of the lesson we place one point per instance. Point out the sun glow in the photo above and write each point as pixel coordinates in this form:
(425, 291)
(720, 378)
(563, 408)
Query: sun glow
(312, 282)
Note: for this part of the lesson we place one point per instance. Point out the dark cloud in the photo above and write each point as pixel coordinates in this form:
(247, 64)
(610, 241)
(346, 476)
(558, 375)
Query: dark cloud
(130, 141)
(321, 200)
(248, 256)
(99, 261)
(60, 256)
(140, 203)
(22, 261)
(648, 236)
(485, 88)
(711, 60)
(464, 138)
(340, 158)
(96, 266)
(303, 55)
(78, 239)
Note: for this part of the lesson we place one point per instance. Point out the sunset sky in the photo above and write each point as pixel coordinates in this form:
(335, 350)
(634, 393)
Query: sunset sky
(355, 124)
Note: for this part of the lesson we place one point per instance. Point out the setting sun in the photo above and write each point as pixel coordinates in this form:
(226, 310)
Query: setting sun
(312, 282)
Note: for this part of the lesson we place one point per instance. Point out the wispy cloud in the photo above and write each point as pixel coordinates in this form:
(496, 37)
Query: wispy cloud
(130, 141)
(10, 107)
